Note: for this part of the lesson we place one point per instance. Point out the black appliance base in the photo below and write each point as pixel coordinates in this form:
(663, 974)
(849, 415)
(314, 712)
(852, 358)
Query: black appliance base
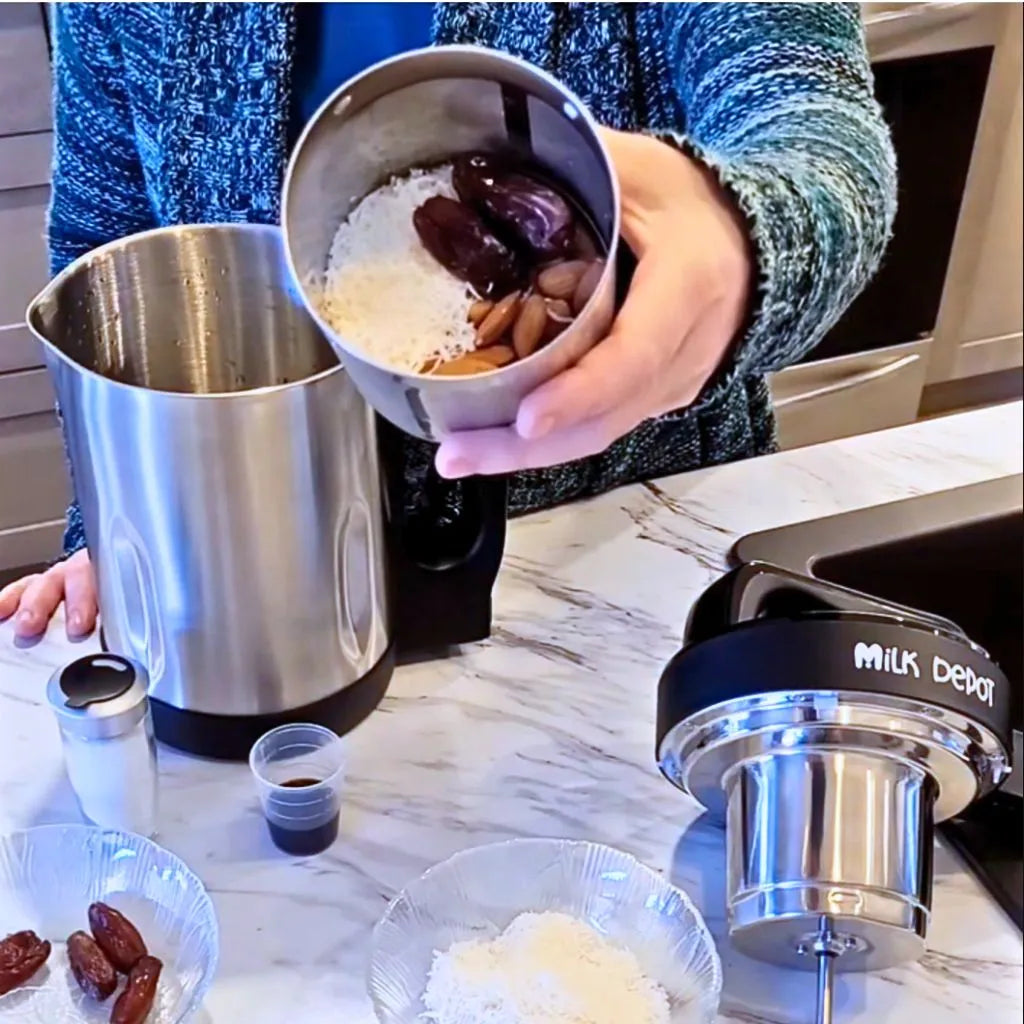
(230, 737)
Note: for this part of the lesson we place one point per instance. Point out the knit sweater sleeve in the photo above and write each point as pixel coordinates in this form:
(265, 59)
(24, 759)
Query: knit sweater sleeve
(778, 102)
(98, 191)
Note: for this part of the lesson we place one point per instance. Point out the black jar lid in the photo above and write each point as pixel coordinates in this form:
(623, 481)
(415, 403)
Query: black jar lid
(99, 696)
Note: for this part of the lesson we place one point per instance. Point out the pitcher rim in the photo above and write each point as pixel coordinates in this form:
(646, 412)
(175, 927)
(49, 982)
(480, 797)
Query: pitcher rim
(172, 229)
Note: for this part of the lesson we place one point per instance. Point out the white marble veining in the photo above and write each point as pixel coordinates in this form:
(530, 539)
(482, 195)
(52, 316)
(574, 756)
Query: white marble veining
(547, 729)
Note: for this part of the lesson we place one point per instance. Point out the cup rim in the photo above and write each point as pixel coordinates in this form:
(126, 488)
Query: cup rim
(331, 781)
(434, 53)
(126, 242)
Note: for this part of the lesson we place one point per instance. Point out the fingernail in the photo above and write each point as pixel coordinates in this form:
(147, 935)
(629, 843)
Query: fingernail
(76, 622)
(538, 428)
(27, 618)
(455, 469)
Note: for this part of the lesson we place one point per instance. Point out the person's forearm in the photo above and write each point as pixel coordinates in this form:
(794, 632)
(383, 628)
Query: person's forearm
(74, 531)
(98, 191)
(779, 104)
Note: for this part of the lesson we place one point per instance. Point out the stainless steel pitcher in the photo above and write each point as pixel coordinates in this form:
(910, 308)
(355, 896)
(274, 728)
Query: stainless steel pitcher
(227, 471)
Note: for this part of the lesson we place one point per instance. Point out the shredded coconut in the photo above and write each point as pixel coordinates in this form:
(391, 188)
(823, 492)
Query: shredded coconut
(543, 969)
(383, 292)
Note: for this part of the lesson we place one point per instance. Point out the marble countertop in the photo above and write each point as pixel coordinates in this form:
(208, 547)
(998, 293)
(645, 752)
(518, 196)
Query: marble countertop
(546, 729)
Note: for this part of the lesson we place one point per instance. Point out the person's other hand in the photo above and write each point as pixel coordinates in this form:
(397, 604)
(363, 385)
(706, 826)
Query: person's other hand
(687, 301)
(34, 600)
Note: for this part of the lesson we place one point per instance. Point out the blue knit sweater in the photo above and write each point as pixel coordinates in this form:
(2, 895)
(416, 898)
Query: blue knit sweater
(177, 113)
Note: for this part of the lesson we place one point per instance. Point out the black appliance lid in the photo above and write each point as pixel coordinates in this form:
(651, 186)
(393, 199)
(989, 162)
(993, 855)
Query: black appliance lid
(837, 651)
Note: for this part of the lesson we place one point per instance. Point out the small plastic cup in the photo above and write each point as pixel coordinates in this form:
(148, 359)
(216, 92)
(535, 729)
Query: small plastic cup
(299, 771)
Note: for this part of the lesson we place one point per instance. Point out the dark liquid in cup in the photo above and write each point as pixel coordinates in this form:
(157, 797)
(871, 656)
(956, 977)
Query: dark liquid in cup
(302, 842)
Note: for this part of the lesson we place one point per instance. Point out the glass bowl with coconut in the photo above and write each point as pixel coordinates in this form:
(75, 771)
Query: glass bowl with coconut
(543, 930)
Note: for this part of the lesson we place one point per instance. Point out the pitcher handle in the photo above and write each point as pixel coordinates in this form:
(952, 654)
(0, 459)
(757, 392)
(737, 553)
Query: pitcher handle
(444, 557)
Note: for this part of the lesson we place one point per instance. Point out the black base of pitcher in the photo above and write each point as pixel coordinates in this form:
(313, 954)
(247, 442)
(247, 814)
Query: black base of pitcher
(230, 737)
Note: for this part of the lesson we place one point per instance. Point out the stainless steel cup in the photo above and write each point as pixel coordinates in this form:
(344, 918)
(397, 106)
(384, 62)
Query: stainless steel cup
(420, 109)
(845, 833)
(227, 471)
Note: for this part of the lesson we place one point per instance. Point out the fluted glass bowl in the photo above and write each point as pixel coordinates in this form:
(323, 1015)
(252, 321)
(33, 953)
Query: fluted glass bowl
(477, 893)
(48, 878)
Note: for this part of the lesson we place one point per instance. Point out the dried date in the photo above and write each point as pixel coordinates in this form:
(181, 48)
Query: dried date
(535, 214)
(116, 936)
(21, 956)
(94, 973)
(457, 237)
(13, 948)
(135, 1002)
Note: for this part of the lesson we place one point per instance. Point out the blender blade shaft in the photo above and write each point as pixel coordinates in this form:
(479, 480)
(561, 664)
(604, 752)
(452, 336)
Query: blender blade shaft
(826, 971)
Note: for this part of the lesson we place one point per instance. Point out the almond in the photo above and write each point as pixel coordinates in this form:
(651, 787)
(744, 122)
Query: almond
(498, 321)
(478, 311)
(496, 356)
(463, 366)
(587, 286)
(583, 244)
(559, 281)
(528, 332)
(559, 317)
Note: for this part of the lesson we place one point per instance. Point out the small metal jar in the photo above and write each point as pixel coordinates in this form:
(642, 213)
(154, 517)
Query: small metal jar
(102, 709)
